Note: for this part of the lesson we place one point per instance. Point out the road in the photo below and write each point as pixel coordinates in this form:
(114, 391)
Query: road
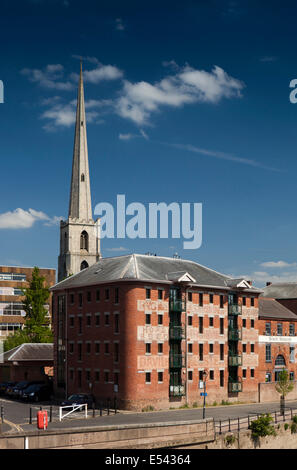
(16, 415)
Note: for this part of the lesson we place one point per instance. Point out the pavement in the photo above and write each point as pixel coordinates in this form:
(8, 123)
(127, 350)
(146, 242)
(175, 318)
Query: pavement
(17, 415)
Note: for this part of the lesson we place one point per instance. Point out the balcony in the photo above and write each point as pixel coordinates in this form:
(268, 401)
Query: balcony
(234, 309)
(177, 305)
(177, 361)
(177, 390)
(234, 386)
(235, 360)
(234, 334)
(176, 332)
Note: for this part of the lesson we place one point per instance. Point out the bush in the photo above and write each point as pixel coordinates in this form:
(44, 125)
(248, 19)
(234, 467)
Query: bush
(294, 419)
(230, 439)
(286, 426)
(262, 426)
(148, 408)
(195, 404)
(294, 428)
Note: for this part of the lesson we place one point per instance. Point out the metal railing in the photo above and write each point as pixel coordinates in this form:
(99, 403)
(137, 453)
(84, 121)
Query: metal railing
(234, 334)
(177, 360)
(243, 423)
(177, 305)
(176, 332)
(235, 360)
(234, 309)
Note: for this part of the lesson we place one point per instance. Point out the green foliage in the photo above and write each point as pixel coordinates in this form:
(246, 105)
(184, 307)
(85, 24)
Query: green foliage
(284, 385)
(262, 426)
(294, 419)
(214, 403)
(230, 439)
(148, 408)
(225, 402)
(286, 426)
(195, 404)
(36, 328)
(293, 428)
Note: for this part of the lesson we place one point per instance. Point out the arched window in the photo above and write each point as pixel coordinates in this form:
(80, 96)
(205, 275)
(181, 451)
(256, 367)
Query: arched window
(84, 265)
(280, 360)
(82, 177)
(84, 241)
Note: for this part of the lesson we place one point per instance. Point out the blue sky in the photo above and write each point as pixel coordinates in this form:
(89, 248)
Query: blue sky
(186, 102)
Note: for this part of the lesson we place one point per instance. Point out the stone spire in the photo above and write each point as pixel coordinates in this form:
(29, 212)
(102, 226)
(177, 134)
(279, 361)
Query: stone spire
(80, 206)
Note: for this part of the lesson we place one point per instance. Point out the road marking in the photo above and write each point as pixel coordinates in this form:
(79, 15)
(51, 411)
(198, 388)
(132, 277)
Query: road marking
(13, 425)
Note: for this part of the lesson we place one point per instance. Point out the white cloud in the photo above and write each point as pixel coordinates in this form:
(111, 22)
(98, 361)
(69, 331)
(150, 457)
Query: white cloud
(99, 74)
(119, 25)
(269, 59)
(120, 248)
(140, 100)
(127, 136)
(50, 77)
(277, 264)
(20, 218)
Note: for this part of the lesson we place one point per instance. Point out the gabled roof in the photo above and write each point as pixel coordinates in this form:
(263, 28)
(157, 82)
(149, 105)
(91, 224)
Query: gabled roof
(281, 290)
(271, 308)
(29, 352)
(148, 268)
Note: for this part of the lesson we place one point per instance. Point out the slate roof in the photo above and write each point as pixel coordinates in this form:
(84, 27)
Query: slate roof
(281, 290)
(145, 268)
(271, 308)
(29, 352)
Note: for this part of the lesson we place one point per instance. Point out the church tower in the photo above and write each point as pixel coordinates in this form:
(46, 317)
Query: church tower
(79, 234)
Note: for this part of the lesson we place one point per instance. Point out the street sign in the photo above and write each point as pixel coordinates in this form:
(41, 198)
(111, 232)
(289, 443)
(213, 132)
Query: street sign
(202, 394)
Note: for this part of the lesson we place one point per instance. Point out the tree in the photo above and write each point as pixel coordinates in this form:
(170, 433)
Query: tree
(283, 386)
(36, 328)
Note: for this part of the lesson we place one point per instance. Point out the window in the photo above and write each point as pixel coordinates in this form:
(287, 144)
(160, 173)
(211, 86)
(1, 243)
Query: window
(279, 329)
(221, 326)
(71, 348)
(200, 300)
(200, 324)
(97, 375)
(116, 295)
(97, 295)
(244, 301)
(252, 302)
(211, 298)
(106, 316)
(291, 375)
(79, 325)
(243, 347)
(89, 296)
(72, 298)
(79, 351)
(106, 376)
(84, 265)
(160, 348)
(243, 323)
(116, 323)
(252, 323)
(71, 322)
(211, 374)
(106, 294)
(160, 294)
(160, 319)
(211, 321)
(147, 377)
(147, 348)
(211, 348)
(190, 320)
(97, 319)
(268, 353)
(200, 352)
(292, 354)
(190, 348)
(243, 373)
(106, 348)
(147, 293)
(268, 328)
(201, 375)
(89, 320)
(190, 296)
(292, 329)
(268, 377)
(84, 241)
(116, 378)
(252, 373)
(116, 352)
(252, 348)
(221, 352)
(79, 377)
(97, 348)
(221, 301)
(221, 378)
(280, 360)
(147, 319)
(190, 375)
(80, 300)
(82, 177)
(160, 377)
(88, 345)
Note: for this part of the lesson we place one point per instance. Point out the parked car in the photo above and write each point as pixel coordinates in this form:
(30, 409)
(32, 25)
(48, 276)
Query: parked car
(37, 392)
(20, 386)
(79, 399)
(5, 385)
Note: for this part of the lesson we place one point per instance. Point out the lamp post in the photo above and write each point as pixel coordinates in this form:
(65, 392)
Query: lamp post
(204, 392)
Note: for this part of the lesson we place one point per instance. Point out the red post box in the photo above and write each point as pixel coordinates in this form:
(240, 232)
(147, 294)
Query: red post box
(42, 419)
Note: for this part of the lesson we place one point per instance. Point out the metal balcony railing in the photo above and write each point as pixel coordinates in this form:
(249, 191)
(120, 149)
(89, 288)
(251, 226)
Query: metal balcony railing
(234, 309)
(176, 332)
(234, 386)
(177, 390)
(177, 360)
(177, 305)
(234, 334)
(235, 360)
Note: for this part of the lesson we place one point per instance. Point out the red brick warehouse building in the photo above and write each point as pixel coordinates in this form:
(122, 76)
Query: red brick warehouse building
(146, 328)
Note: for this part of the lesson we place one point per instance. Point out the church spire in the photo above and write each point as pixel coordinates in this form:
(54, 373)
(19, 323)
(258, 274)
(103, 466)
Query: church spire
(80, 206)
